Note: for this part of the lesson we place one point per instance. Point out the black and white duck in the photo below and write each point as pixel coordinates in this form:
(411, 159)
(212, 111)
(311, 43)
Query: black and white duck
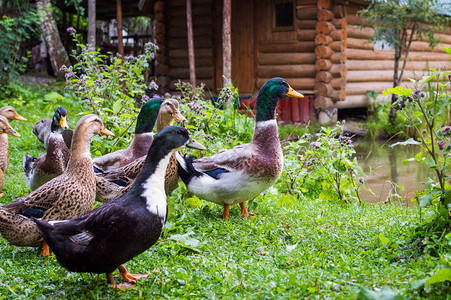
(103, 239)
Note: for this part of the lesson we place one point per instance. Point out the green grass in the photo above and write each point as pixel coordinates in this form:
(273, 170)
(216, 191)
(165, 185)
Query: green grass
(329, 250)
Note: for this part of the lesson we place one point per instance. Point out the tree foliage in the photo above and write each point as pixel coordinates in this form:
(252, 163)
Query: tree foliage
(398, 23)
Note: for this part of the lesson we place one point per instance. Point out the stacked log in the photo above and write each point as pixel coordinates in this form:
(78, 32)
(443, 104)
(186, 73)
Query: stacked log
(177, 45)
(279, 55)
(370, 69)
(331, 43)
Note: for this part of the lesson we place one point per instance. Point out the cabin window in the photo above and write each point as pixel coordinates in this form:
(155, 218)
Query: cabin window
(284, 15)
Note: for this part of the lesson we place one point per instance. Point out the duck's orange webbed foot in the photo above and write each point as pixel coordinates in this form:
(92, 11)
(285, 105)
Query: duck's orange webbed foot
(225, 213)
(128, 277)
(45, 250)
(244, 212)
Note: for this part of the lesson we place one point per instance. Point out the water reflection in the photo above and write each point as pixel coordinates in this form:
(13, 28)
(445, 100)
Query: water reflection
(384, 166)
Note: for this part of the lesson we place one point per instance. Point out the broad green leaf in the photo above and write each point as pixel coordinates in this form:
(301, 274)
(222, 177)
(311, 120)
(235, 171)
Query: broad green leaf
(440, 276)
(425, 200)
(117, 106)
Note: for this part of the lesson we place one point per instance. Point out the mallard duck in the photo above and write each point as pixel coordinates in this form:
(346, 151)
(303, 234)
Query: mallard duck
(243, 172)
(10, 114)
(112, 234)
(66, 196)
(5, 128)
(142, 139)
(43, 128)
(52, 163)
(116, 182)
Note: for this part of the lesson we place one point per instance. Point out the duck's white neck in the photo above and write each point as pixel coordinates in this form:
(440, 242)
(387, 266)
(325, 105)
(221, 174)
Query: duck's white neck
(154, 190)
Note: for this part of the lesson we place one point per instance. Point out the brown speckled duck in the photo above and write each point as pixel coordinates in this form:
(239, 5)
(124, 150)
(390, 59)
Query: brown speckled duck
(52, 163)
(5, 128)
(143, 135)
(10, 114)
(243, 172)
(64, 197)
(116, 182)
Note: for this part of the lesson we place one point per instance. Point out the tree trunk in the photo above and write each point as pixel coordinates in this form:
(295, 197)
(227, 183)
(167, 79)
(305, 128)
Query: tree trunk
(120, 39)
(189, 26)
(57, 53)
(92, 23)
(227, 40)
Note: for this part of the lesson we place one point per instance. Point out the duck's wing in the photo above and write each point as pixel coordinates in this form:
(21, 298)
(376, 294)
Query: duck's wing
(129, 171)
(229, 160)
(82, 230)
(37, 202)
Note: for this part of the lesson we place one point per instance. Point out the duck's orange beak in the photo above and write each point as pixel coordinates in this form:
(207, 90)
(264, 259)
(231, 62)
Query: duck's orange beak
(178, 116)
(106, 132)
(294, 94)
(19, 117)
(12, 132)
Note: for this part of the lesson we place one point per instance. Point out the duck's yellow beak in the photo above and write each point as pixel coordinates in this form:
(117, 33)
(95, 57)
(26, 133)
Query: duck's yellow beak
(106, 132)
(63, 123)
(19, 117)
(293, 93)
(178, 116)
(12, 132)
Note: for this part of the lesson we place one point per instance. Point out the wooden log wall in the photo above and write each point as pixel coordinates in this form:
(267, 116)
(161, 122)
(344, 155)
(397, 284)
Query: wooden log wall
(369, 69)
(330, 43)
(177, 43)
(161, 57)
(290, 53)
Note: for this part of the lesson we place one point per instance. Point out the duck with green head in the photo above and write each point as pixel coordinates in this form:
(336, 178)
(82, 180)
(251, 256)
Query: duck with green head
(243, 172)
(140, 144)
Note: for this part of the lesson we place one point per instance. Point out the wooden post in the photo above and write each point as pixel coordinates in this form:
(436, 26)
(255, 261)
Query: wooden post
(120, 45)
(189, 25)
(226, 40)
(92, 23)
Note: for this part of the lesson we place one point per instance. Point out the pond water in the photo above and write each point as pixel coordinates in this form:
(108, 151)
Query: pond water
(383, 166)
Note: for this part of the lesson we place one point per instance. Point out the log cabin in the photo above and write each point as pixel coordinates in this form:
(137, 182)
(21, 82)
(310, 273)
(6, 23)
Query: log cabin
(317, 45)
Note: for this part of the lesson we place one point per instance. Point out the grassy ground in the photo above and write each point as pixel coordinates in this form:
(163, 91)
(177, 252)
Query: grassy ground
(305, 249)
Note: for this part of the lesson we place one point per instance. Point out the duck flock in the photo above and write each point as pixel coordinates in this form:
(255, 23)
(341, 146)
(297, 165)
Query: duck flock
(131, 183)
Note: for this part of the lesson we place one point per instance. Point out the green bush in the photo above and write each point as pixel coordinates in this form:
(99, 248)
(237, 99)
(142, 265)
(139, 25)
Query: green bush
(13, 32)
(110, 87)
(322, 166)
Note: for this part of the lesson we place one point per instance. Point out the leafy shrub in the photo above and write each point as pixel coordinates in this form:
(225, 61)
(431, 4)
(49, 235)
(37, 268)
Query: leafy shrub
(216, 127)
(110, 87)
(426, 108)
(322, 166)
(13, 32)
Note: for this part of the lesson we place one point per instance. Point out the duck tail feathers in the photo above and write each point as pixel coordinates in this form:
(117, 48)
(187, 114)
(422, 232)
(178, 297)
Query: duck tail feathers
(186, 168)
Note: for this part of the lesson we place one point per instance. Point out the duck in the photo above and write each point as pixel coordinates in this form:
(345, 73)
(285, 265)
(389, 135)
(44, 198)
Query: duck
(113, 183)
(10, 114)
(105, 238)
(52, 163)
(7, 129)
(44, 127)
(65, 196)
(239, 174)
(143, 137)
